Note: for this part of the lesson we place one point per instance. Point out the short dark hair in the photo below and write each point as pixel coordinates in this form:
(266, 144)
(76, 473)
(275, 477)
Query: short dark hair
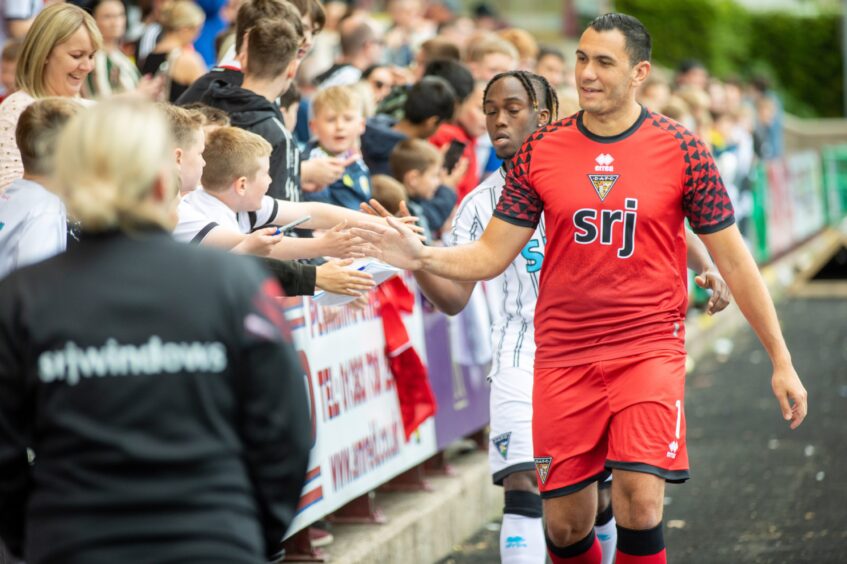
(431, 96)
(412, 154)
(289, 97)
(354, 37)
(638, 42)
(440, 48)
(271, 47)
(254, 11)
(455, 73)
(688, 65)
(550, 51)
(214, 116)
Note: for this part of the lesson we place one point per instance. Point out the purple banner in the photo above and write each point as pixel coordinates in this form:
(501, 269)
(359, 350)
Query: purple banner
(461, 391)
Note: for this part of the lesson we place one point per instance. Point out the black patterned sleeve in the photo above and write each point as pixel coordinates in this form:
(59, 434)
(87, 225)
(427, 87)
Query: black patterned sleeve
(705, 200)
(519, 203)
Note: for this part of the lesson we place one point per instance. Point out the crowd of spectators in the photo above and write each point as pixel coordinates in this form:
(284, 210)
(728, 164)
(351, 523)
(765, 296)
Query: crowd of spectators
(285, 111)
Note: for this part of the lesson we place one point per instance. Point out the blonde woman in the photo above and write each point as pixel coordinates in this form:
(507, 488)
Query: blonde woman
(56, 57)
(174, 57)
(172, 421)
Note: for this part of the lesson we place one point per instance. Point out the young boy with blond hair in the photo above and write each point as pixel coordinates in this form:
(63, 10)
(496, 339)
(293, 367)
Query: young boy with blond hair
(338, 125)
(234, 197)
(188, 133)
(33, 221)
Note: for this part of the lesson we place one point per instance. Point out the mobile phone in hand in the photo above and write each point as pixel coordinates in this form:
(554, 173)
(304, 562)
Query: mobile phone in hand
(453, 154)
(290, 226)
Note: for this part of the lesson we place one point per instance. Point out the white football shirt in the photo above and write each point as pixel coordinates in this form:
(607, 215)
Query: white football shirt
(513, 294)
(200, 212)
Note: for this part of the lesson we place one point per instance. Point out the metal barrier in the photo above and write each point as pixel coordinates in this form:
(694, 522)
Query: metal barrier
(358, 439)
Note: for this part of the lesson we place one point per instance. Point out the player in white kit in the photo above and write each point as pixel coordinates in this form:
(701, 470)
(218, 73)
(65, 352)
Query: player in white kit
(516, 103)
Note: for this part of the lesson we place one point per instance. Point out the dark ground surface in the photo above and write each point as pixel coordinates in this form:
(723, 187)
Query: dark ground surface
(759, 492)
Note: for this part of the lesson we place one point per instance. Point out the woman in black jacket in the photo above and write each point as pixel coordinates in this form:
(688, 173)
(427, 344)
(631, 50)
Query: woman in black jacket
(154, 382)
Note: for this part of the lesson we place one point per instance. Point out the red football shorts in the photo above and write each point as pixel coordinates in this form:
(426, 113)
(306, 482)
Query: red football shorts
(624, 413)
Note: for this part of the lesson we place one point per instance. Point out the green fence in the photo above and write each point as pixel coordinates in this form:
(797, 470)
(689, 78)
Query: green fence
(795, 197)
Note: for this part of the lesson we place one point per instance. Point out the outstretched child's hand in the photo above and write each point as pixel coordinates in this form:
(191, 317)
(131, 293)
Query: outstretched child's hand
(335, 276)
(339, 242)
(259, 242)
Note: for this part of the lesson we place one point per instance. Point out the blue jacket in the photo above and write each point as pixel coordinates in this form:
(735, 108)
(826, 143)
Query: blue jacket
(353, 188)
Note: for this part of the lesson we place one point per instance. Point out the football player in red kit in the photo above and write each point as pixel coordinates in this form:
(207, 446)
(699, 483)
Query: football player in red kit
(616, 183)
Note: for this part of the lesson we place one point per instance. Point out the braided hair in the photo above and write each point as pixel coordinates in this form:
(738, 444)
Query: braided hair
(536, 86)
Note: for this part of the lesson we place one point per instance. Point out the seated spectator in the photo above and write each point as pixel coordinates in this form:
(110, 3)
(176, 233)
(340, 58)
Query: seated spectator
(33, 219)
(436, 49)
(525, 44)
(289, 105)
(490, 55)
(234, 197)
(230, 69)
(46, 68)
(167, 370)
(360, 48)
(551, 65)
(270, 65)
(113, 71)
(430, 103)
(390, 193)
(338, 125)
(380, 79)
(8, 63)
(215, 117)
(467, 125)
(174, 57)
(189, 138)
(409, 28)
(418, 166)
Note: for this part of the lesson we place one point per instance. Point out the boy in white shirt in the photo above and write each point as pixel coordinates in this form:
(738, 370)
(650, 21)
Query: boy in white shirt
(33, 222)
(233, 197)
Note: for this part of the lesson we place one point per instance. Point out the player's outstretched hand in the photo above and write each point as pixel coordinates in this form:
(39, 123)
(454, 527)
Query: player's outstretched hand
(791, 395)
(340, 242)
(335, 276)
(374, 208)
(721, 296)
(394, 243)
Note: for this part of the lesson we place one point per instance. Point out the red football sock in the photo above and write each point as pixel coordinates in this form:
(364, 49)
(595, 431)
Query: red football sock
(624, 558)
(586, 551)
(641, 547)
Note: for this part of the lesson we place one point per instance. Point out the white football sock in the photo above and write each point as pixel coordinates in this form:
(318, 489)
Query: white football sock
(522, 540)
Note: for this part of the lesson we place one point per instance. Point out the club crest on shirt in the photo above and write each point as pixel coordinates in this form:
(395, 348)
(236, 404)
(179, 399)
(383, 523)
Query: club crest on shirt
(542, 465)
(603, 183)
(502, 444)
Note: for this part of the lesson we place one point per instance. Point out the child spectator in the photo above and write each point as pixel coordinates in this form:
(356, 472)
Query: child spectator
(417, 164)
(389, 193)
(189, 133)
(338, 124)
(189, 140)
(525, 44)
(8, 64)
(490, 55)
(33, 222)
(289, 105)
(215, 117)
(268, 72)
(551, 65)
(233, 197)
(430, 102)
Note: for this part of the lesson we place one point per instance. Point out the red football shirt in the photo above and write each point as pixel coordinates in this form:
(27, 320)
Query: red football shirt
(614, 280)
